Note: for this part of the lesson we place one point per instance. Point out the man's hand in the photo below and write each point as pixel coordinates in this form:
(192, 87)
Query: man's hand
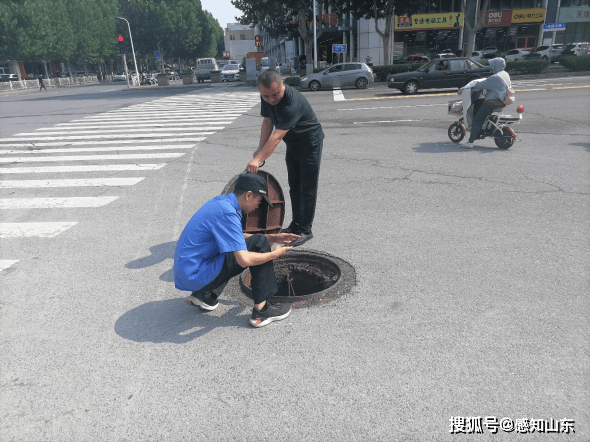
(284, 238)
(281, 250)
(253, 166)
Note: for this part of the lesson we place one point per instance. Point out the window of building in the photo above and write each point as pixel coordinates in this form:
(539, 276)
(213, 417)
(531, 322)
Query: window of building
(232, 37)
(242, 36)
(495, 5)
(528, 4)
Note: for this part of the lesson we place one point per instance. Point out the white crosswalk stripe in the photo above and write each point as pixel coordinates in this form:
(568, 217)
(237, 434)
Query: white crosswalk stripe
(106, 143)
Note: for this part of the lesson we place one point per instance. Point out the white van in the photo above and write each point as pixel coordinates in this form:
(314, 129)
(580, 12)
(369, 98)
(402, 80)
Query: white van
(204, 68)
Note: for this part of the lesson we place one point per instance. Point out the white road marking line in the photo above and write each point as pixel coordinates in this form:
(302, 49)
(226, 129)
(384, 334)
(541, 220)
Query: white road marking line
(96, 149)
(73, 182)
(148, 130)
(145, 120)
(71, 158)
(99, 142)
(385, 121)
(5, 264)
(137, 124)
(134, 136)
(56, 202)
(338, 96)
(393, 107)
(83, 168)
(42, 229)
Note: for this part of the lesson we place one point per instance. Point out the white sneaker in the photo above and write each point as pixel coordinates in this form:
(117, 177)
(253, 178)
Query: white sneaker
(468, 145)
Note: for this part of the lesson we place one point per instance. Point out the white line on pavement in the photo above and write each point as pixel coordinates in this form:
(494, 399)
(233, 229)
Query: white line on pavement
(150, 129)
(96, 149)
(82, 137)
(56, 202)
(72, 182)
(83, 168)
(100, 142)
(71, 158)
(338, 96)
(5, 264)
(393, 107)
(43, 229)
(386, 121)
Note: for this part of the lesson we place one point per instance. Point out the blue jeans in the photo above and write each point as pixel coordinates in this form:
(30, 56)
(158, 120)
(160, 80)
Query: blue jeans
(478, 119)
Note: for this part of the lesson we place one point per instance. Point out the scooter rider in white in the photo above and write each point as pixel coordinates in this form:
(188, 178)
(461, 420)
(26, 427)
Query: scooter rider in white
(496, 87)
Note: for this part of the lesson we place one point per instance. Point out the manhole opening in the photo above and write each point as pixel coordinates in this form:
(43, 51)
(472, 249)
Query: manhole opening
(305, 278)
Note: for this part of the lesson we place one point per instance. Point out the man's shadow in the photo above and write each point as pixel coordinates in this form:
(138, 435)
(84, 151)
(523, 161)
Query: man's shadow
(159, 253)
(173, 321)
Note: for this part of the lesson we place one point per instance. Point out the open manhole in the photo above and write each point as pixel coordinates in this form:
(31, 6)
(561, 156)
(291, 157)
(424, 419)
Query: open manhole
(307, 278)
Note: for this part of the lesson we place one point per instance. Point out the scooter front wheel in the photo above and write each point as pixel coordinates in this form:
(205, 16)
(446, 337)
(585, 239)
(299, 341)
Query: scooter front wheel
(456, 133)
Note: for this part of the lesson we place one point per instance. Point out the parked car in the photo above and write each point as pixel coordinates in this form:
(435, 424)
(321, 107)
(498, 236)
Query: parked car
(416, 58)
(441, 73)
(489, 52)
(477, 56)
(204, 68)
(119, 77)
(516, 54)
(230, 73)
(580, 48)
(8, 78)
(341, 75)
(444, 55)
(545, 51)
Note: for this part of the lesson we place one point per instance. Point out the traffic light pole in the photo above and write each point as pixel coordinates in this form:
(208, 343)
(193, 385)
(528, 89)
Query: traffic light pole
(132, 48)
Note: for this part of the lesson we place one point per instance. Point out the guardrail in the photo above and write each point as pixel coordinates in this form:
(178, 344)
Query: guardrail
(48, 82)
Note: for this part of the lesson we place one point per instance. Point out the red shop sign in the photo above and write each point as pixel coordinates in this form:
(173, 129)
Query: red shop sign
(498, 18)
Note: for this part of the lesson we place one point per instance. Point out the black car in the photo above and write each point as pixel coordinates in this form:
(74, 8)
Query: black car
(441, 73)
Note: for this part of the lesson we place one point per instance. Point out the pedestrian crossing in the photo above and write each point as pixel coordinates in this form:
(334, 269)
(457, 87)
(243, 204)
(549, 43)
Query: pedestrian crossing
(138, 138)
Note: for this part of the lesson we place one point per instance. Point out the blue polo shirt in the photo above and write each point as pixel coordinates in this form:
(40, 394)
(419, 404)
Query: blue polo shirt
(215, 229)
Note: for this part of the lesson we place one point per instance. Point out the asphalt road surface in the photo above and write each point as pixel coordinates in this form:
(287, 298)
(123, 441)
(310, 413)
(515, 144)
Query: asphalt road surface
(470, 313)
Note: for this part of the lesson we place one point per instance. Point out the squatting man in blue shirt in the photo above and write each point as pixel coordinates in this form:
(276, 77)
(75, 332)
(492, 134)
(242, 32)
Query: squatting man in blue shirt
(212, 249)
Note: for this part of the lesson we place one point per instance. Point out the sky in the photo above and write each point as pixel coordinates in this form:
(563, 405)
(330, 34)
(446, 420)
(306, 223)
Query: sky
(222, 10)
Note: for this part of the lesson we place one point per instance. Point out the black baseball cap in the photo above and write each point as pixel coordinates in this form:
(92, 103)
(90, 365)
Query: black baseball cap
(254, 183)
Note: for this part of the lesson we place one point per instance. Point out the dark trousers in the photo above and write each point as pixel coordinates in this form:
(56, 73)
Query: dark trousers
(479, 116)
(41, 85)
(264, 281)
(303, 169)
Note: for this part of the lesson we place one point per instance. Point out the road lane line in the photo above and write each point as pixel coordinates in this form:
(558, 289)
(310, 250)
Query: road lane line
(338, 96)
(56, 202)
(71, 182)
(101, 142)
(42, 229)
(96, 149)
(5, 264)
(385, 121)
(83, 137)
(75, 158)
(150, 130)
(82, 168)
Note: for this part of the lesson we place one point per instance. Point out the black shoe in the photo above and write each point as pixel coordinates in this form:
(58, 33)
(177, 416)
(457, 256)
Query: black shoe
(269, 313)
(304, 237)
(292, 229)
(207, 301)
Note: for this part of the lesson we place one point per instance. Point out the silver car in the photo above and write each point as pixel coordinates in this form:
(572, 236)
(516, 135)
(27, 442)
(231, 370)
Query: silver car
(230, 73)
(341, 75)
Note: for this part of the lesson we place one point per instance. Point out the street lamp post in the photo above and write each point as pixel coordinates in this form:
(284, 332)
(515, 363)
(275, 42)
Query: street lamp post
(132, 49)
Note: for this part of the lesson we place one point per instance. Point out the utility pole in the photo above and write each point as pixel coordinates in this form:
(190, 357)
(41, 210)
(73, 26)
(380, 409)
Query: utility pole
(132, 49)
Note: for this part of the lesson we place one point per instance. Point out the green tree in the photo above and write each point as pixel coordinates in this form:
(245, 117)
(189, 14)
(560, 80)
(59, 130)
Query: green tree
(211, 35)
(169, 26)
(469, 30)
(382, 9)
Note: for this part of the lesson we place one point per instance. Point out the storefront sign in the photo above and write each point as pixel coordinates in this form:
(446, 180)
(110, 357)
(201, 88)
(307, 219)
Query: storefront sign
(528, 15)
(575, 15)
(498, 18)
(429, 21)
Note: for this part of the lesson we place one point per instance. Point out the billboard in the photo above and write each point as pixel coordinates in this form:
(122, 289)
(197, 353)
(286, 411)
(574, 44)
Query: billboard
(449, 20)
(528, 15)
(577, 14)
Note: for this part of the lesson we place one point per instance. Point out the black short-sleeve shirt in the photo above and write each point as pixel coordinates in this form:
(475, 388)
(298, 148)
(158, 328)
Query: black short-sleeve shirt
(294, 113)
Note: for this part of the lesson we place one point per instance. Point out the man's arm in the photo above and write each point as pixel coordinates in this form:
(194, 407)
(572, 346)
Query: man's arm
(268, 144)
(249, 258)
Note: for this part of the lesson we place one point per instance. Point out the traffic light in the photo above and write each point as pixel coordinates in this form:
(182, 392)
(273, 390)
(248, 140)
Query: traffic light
(257, 41)
(121, 40)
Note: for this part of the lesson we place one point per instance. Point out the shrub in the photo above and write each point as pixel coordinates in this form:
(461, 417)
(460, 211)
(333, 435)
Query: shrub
(527, 66)
(576, 63)
(292, 81)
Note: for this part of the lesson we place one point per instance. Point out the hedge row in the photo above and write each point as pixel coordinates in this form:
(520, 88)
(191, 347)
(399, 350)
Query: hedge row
(576, 63)
(527, 66)
(292, 81)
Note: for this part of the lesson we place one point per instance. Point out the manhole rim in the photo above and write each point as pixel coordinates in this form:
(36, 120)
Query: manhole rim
(326, 295)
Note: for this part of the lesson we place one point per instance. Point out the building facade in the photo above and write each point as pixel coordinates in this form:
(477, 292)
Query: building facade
(239, 40)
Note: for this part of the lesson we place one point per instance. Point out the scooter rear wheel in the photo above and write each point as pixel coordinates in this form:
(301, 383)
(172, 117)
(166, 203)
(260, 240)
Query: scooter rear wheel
(456, 134)
(503, 139)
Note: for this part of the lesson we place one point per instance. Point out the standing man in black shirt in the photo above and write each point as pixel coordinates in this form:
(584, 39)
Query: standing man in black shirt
(287, 110)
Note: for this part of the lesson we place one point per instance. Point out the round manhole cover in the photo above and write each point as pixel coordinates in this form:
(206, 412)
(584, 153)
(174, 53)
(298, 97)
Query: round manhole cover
(308, 278)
